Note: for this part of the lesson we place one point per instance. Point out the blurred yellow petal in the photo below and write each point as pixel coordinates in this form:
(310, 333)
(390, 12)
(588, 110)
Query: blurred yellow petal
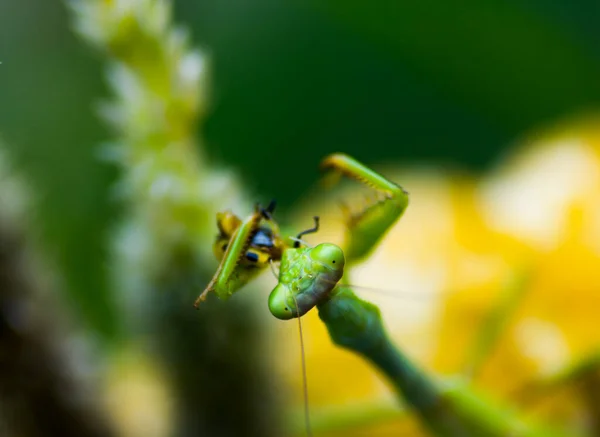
(449, 260)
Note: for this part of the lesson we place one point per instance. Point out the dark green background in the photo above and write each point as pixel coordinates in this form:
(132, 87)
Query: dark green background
(404, 81)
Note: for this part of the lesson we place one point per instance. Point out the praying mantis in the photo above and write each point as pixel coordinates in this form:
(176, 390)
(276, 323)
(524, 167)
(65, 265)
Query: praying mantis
(312, 277)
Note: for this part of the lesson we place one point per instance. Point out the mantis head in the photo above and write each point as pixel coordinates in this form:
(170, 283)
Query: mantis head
(306, 277)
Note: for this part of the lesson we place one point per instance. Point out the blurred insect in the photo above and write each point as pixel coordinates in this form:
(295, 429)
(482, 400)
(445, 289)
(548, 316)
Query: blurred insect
(314, 277)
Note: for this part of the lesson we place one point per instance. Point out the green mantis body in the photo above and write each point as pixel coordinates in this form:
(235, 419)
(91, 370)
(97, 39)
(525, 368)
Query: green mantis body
(309, 278)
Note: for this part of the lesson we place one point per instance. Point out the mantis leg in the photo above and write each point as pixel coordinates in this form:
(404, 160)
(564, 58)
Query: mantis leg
(367, 226)
(228, 278)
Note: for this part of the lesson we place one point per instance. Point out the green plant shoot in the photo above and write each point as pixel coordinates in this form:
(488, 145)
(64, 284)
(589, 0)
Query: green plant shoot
(310, 277)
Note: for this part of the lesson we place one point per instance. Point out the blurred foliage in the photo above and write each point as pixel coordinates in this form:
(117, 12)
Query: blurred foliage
(49, 83)
(41, 360)
(164, 366)
(291, 81)
(410, 81)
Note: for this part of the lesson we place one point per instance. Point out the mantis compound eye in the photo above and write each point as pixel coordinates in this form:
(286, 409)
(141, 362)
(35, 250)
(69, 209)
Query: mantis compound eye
(329, 255)
(280, 306)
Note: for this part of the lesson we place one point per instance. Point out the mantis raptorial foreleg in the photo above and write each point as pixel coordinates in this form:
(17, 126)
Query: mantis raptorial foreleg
(367, 226)
(309, 277)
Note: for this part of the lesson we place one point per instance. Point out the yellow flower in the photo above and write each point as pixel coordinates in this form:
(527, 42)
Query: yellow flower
(535, 221)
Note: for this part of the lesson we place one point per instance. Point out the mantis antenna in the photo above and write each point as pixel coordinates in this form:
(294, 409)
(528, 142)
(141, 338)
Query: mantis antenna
(302, 360)
(272, 265)
(396, 294)
(304, 377)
